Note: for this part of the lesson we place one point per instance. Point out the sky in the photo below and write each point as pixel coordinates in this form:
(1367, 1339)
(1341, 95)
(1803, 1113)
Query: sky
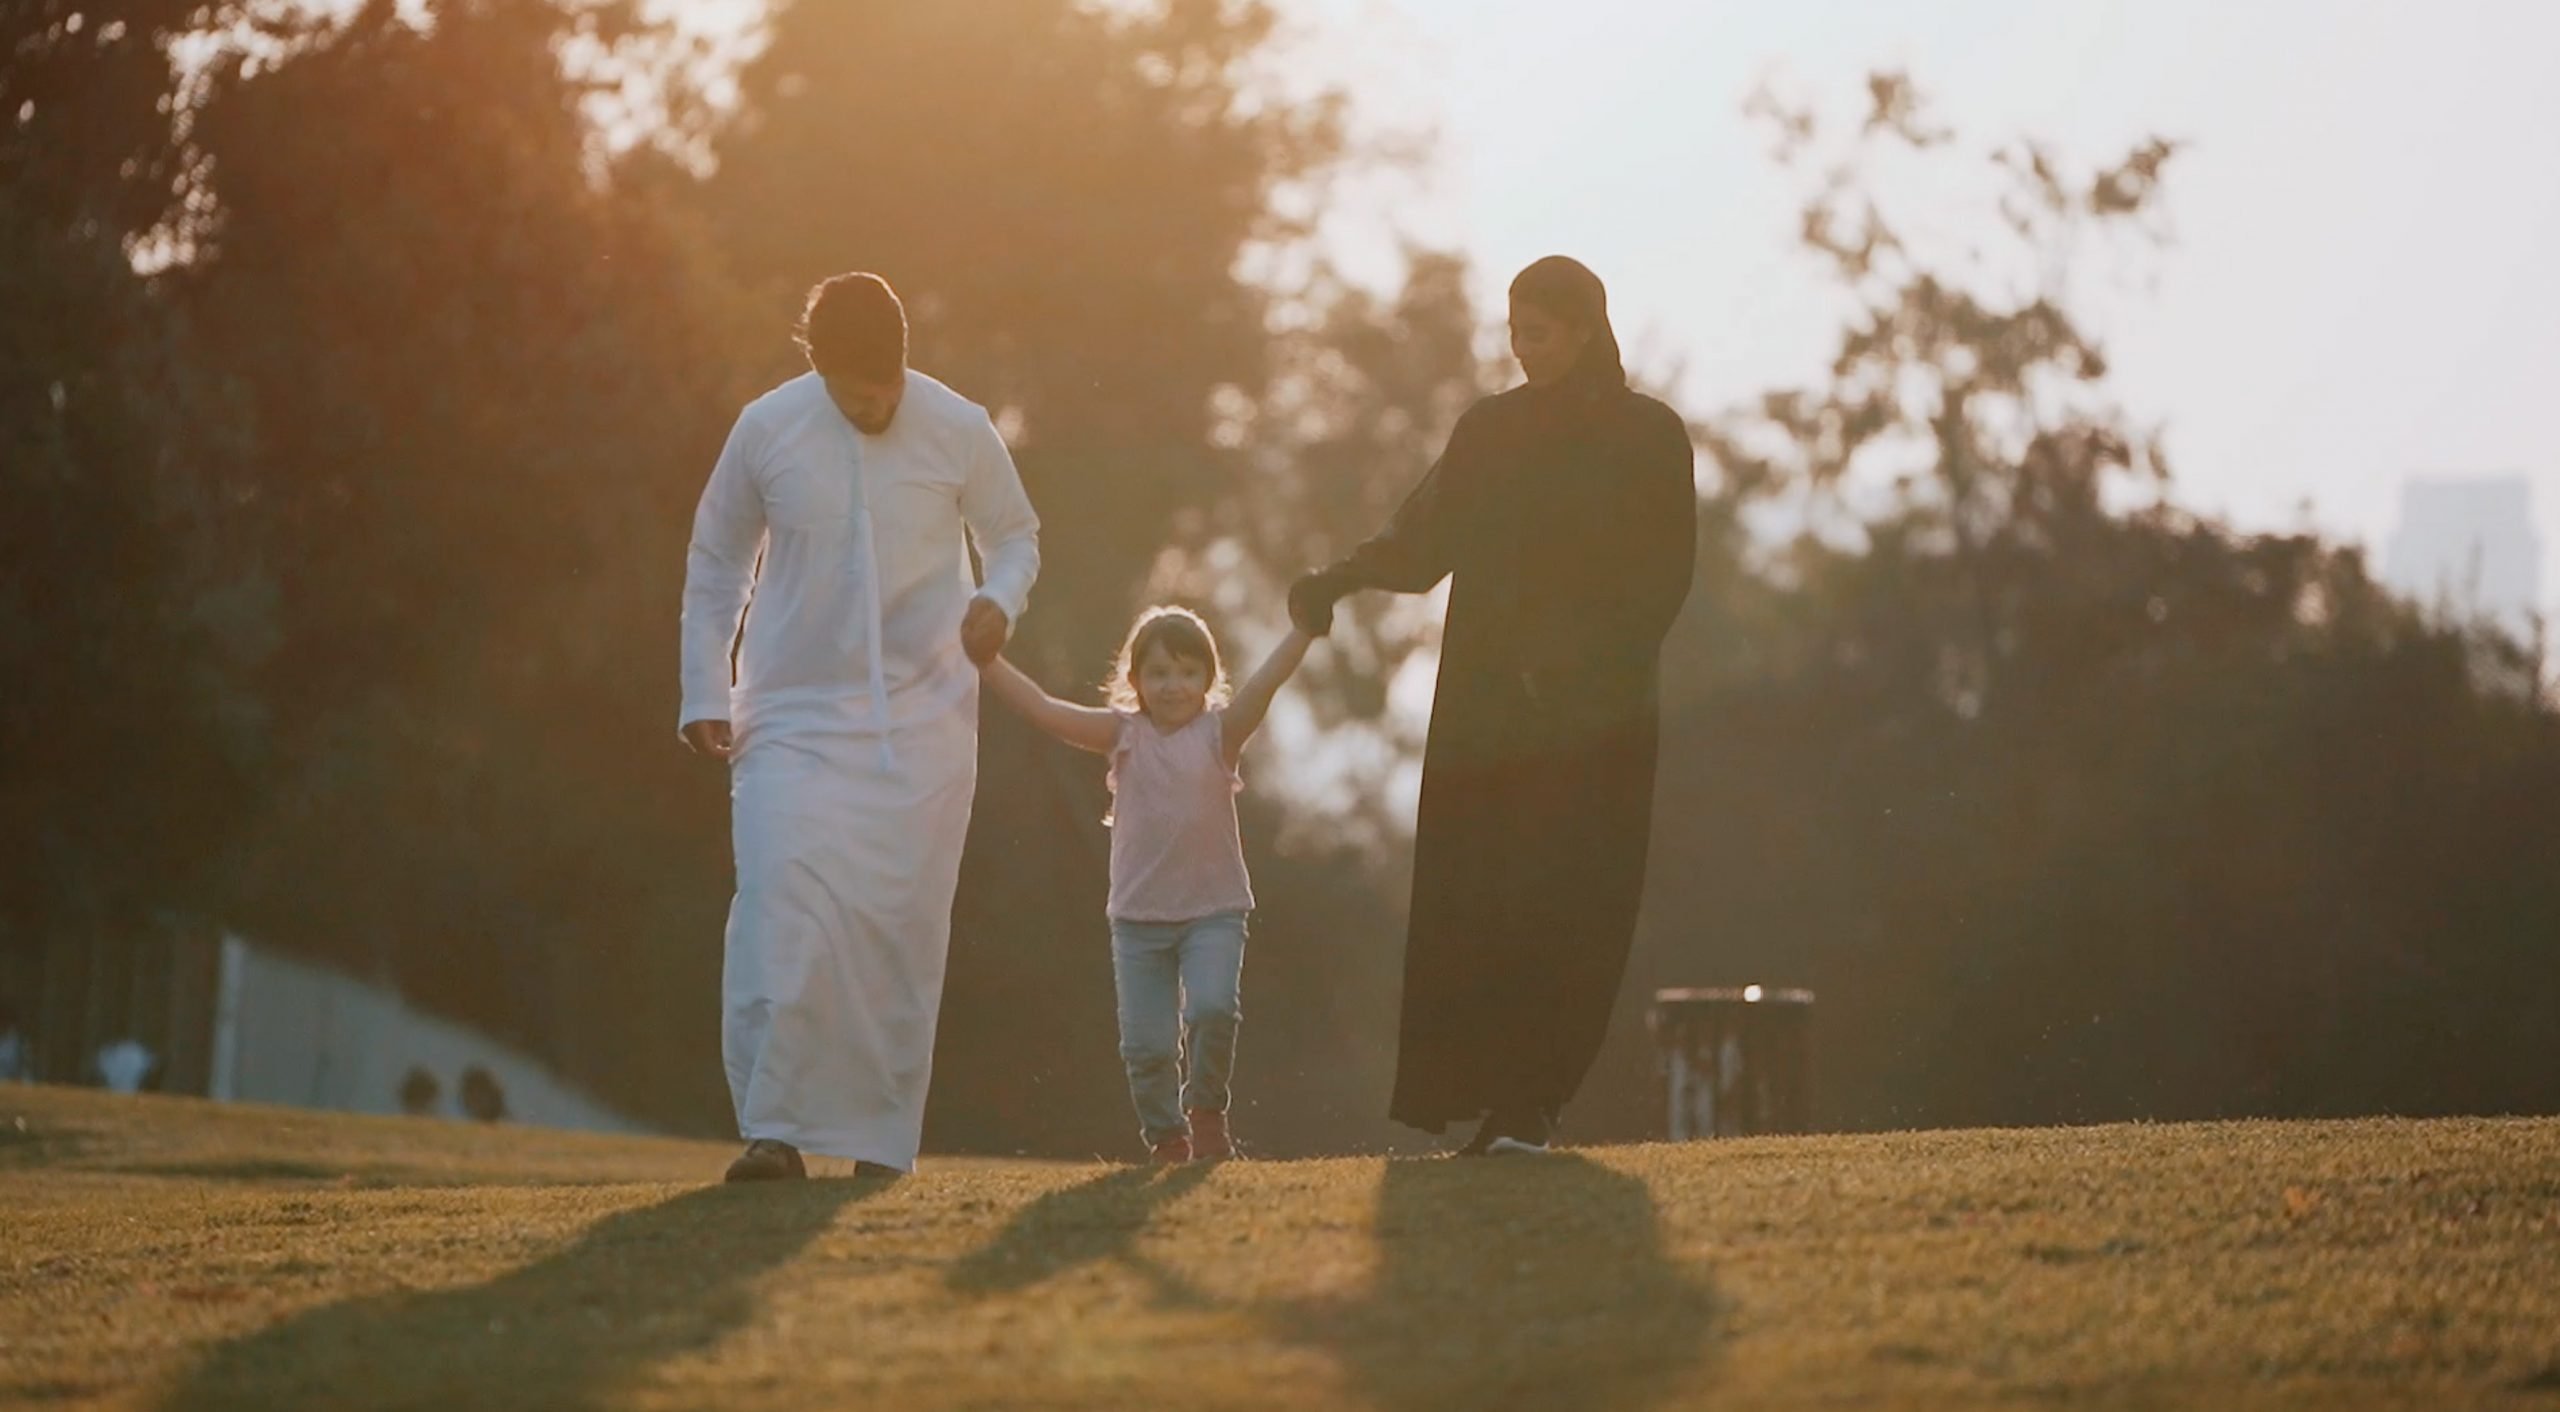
(2364, 284)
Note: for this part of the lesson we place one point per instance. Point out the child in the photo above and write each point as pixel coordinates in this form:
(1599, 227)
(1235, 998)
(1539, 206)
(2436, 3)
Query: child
(1179, 894)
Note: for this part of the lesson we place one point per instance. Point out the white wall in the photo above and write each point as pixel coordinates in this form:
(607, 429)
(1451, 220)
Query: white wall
(290, 1032)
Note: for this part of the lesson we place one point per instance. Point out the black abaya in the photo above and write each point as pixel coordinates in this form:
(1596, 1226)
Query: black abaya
(1565, 517)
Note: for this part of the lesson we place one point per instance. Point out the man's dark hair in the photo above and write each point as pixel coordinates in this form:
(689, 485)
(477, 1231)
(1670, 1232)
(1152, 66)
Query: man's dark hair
(854, 325)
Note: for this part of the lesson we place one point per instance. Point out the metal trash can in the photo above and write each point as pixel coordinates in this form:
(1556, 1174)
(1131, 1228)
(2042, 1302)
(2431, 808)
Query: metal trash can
(1737, 1061)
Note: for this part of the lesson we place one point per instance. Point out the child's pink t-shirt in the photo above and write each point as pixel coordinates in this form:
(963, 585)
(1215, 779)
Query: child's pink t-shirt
(1175, 851)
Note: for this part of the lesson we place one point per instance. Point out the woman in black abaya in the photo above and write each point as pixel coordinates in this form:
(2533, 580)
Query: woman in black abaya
(1564, 512)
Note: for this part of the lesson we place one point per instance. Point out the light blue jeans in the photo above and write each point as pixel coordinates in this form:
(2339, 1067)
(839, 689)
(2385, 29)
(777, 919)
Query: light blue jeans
(1178, 985)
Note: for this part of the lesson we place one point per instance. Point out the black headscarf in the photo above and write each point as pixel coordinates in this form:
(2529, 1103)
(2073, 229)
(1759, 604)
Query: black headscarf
(1566, 288)
(1553, 417)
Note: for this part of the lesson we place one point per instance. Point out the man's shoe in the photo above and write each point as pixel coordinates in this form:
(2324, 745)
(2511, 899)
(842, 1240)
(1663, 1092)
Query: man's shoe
(767, 1160)
(875, 1172)
(1172, 1152)
(1210, 1140)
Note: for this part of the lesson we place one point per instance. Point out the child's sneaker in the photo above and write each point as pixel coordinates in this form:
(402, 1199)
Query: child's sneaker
(1172, 1152)
(1210, 1141)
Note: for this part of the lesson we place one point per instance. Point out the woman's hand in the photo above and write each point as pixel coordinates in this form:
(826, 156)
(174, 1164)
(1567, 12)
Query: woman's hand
(1311, 601)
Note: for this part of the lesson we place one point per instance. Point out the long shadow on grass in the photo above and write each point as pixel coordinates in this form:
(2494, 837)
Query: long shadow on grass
(1528, 1282)
(1090, 1222)
(1535, 1282)
(570, 1330)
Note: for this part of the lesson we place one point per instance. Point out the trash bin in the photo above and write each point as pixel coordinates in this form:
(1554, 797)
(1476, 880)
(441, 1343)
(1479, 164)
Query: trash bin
(1736, 1062)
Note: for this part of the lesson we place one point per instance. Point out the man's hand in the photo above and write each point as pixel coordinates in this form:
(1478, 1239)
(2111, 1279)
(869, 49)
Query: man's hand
(983, 631)
(710, 738)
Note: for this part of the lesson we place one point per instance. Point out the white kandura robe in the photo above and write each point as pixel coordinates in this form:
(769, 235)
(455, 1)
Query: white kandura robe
(855, 717)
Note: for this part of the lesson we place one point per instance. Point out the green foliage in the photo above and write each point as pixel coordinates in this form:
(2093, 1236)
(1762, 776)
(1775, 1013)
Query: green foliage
(2070, 812)
(1063, 194)
(89, 146)
(485, 386)
(135, 607)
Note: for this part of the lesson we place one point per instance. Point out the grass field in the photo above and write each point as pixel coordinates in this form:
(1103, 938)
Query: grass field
(162, 1253)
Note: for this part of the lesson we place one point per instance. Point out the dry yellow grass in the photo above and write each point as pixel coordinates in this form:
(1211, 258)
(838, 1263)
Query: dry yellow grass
(169, 1254)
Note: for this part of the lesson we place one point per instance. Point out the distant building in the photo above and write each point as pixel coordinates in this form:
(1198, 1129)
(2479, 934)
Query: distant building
(216, 1015)
(2466, 548)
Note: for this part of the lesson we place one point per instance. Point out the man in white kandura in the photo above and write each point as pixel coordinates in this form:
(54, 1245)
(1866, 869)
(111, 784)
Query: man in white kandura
(851, 730)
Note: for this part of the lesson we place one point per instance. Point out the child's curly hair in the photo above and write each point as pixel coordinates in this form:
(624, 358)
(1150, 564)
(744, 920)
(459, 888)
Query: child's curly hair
(1178, 631)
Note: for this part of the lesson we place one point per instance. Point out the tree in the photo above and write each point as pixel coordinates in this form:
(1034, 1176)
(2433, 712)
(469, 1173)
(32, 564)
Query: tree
(136, 609)
(2070, 805)
(96, 145)
(485, 382)
(1065, 196)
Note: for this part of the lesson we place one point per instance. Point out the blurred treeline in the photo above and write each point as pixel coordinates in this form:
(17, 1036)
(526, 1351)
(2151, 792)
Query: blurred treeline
(357, 377)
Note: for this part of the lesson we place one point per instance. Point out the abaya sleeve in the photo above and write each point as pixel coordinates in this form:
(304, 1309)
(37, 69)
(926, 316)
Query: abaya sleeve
(1413, 553)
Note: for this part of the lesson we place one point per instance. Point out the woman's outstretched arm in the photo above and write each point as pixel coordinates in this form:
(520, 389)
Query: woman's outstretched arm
(1410, 555)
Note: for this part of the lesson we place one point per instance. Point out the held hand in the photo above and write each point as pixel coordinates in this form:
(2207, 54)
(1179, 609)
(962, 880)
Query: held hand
(983, 631)
(710, 738)
(1311, 601)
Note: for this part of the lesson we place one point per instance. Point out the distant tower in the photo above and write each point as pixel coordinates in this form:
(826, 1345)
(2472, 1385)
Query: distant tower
(2467, 547)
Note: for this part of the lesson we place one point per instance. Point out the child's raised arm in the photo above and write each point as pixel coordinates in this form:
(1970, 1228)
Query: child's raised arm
(1084, 727)
(1253, 699)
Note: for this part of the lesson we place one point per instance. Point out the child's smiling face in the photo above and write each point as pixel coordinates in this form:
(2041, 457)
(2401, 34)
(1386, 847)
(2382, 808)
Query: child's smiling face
(1173, 690)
